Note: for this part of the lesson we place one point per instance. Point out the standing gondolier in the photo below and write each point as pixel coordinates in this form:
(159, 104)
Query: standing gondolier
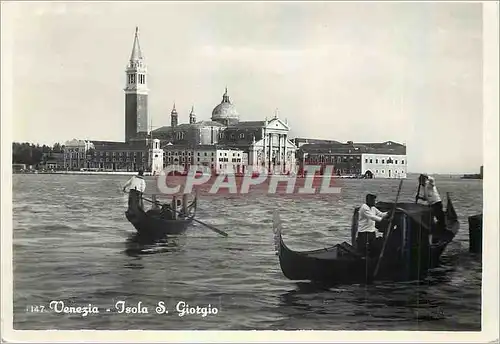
(367, 232)
(433, 199)
(138, 184)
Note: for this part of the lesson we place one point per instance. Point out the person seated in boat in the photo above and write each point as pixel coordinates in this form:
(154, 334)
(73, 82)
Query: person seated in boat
(369, 238)
(137, 183)
(180, 209)
(433, 199)
(166, 212)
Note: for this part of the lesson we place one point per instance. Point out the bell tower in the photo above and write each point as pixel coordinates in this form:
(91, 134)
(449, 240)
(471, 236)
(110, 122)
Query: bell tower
(136, 93)
(192, 116)
(174, 117)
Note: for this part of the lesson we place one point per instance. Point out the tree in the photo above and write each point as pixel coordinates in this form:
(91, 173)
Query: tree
(26, 153)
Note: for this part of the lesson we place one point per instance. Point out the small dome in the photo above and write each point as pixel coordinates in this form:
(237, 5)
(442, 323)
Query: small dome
(225, 110)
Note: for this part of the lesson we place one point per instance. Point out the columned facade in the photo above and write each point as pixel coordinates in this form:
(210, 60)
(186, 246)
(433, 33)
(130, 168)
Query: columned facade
(274, 152)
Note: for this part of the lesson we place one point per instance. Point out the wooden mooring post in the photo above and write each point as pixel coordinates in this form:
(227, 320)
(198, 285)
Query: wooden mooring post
(354, 227)
(476, 233)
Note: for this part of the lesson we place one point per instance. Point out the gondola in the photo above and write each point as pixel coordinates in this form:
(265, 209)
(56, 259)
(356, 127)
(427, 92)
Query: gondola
(152, 223)
(409, 254)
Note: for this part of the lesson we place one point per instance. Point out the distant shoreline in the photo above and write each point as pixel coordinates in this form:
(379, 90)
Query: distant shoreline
(149, 174)
(116, 173)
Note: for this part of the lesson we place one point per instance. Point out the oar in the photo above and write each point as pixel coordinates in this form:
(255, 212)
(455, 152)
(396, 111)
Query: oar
(216, 230)
(388, 231)
(211, 227)
(418, 192)
(195, 220)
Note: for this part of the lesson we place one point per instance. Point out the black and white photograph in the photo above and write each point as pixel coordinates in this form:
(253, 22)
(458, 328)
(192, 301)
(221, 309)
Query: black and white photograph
(264, 171)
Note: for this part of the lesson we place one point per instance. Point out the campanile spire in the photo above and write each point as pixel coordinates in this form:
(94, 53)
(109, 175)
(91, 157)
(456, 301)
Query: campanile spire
(136, 92)
(136, 48)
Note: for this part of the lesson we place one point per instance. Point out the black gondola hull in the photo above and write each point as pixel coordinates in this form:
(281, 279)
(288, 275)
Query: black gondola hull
(151, 224)
(409, 255)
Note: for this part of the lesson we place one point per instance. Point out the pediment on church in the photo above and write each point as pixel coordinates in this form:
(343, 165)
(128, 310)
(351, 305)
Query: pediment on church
(277, 124)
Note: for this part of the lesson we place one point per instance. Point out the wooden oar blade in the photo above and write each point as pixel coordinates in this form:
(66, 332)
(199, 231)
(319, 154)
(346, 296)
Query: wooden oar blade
(211, 227)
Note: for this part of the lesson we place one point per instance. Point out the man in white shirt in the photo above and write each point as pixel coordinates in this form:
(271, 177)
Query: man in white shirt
(367, 232)
(433, 199)
(137, 183)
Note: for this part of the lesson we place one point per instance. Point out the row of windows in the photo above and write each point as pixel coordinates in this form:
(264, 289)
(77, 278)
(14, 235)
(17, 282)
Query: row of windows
(346, 170)
(97, 153)
(177, 153)
(332, 158)
(183, 159)
(227, 160)
(117, 160)
(389, 161)
(132, 79)
(205, 154)
(231, 136)
(181, 135)
(120, 153)
(238, 168)
(383, 171)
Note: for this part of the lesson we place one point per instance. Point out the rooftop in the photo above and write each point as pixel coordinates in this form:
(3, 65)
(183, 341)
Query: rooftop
(388, 147)
(248, 124)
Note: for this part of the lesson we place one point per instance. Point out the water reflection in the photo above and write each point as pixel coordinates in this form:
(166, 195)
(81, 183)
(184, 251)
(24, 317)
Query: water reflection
(137, 244)
(420, 300)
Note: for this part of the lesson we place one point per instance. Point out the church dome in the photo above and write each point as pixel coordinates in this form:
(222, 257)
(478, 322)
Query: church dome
(225, 110)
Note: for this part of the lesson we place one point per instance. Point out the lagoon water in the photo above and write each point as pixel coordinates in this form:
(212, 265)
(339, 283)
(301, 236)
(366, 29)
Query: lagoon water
(72, 243)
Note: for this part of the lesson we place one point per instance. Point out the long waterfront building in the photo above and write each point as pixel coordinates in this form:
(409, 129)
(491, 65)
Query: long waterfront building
(372, 160)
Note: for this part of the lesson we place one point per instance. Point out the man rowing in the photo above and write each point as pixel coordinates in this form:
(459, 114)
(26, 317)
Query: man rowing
(138, 184)
(368, 236)
(433, 199)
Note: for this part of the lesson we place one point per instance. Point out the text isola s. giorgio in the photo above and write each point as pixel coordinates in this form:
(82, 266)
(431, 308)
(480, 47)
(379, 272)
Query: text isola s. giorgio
(182, 308)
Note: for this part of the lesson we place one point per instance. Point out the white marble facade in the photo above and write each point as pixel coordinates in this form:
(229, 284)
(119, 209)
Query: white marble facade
(275, 151)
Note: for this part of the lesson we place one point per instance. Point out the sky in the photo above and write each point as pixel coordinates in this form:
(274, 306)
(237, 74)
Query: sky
(364, 72)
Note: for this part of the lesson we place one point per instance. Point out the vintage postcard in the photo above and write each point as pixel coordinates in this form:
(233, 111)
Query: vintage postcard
(249, 171)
